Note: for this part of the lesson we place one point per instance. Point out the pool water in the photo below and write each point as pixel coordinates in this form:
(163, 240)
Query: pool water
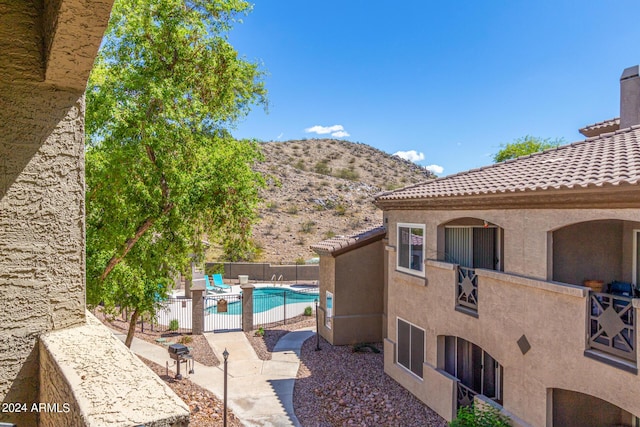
(265, 299)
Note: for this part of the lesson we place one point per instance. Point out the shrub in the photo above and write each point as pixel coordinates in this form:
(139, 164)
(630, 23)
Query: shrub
(293, 209)
(272, 206)
(349, 174)
(300, 261)
(489, 416)
(259, 332)
(329, 234)
(186, 339)
(341, 210)
(322, 167)
(300, 165)
(308, 311)
(307, 227)
(174, 325)
(364, 348)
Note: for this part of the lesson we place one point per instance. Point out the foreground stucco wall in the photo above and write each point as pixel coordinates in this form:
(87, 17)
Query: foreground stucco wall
(103, 382)
(48, 49)
(41, 227)
(552, 316)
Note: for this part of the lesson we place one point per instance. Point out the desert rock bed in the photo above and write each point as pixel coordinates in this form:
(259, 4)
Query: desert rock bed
(205, 408)
(337, 387)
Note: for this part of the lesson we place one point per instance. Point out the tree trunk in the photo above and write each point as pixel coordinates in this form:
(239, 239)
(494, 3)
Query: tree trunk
(132, 328)
(132, 241)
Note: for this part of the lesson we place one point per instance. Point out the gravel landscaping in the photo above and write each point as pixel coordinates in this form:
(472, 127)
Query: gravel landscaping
(264, 345)
(334, 387)
(338, 387)
(198, 345)
(205, 408)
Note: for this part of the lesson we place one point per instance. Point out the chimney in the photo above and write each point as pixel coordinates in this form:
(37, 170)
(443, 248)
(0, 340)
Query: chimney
(630, 97)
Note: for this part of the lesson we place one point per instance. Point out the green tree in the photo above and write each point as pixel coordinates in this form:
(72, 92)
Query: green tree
(525, 145)
(162, 169)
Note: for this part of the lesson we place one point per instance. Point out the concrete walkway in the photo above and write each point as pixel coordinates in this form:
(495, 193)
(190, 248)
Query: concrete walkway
(260, 393)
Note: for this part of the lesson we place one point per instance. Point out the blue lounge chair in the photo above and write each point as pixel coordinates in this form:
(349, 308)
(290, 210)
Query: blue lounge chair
(209, 287)
(219, 283)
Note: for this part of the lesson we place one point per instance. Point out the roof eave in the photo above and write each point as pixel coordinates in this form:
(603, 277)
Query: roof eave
(624, 195)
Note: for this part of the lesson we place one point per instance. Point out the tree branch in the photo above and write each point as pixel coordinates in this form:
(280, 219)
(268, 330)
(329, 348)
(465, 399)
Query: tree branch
(147, 223)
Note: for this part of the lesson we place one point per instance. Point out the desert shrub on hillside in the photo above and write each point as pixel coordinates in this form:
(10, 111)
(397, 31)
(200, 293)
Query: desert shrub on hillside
(350, 174)
(322, 167)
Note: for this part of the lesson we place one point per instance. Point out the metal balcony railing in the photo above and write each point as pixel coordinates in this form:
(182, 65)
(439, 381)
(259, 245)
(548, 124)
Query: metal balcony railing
(464, 395)
(467, 288)
(612, 325)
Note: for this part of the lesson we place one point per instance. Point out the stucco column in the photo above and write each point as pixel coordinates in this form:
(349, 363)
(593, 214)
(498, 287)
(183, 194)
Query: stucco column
(247, 307)
(197, 309)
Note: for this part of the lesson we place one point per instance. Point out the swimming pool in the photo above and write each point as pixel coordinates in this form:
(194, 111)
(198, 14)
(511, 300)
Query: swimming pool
(264, 299)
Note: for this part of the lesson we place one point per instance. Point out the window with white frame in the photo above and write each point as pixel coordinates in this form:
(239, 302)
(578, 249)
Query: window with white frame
(329, 312)
(410, 346)
(410, 249)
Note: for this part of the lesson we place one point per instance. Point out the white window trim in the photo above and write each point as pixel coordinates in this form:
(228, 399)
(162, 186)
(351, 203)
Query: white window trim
(329, 311)
(424, 353)
(424, 248)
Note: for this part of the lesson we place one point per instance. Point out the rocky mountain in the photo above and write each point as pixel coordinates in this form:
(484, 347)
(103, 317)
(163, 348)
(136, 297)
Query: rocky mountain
(320, 188)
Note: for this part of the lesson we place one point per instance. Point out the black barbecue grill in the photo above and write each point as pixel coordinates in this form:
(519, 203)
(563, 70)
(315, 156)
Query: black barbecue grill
(181, 354)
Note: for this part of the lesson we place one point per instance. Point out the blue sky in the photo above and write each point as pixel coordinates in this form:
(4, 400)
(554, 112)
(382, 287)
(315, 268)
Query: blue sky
(451, 79)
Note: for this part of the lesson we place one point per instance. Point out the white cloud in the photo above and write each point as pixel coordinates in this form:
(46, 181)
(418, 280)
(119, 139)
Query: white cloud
(281, 135)
(340, 134)
(323, 130)
(411, 155)
(437, 169)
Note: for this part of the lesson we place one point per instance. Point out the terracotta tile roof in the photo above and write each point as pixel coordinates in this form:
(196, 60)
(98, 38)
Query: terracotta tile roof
(599, 128)
(344, 243)
(611, 159)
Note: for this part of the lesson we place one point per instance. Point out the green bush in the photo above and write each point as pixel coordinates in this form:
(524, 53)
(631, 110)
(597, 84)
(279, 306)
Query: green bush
(322, 167)
(174, 325)
(308, 311)
(259, 332)
(349, 174)
(307, 227)
(489, 416)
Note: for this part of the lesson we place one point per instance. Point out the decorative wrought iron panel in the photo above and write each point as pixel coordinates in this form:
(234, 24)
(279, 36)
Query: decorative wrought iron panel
(612, 325)
(464, 395)
(467, 288)
(231, 319)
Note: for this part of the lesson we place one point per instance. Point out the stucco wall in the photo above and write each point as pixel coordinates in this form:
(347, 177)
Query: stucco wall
(327, 283)
(359, 295)
(102, 382)
(41, 226)
(519, 302)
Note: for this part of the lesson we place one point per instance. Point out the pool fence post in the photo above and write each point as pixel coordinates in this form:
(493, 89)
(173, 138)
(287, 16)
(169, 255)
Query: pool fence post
(247, 307)
(197, 308)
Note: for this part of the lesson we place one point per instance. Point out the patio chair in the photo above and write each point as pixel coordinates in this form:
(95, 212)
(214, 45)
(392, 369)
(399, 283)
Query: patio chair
(209, 287)
(219, 283)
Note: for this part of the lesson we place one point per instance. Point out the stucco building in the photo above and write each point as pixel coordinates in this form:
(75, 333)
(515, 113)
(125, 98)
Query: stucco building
(52, 351)
(351, 287)
(484, 273)
(485, 281)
